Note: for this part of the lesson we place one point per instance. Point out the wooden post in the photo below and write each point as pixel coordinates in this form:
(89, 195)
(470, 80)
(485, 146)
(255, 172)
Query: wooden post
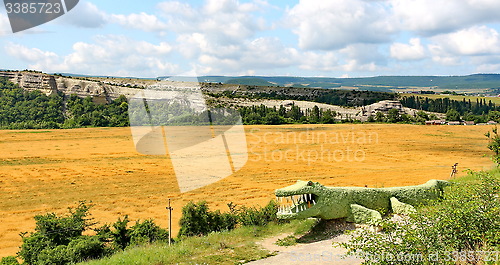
(169, 208)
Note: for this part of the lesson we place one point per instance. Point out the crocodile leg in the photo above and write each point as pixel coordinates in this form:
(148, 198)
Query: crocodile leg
(360, 214)
(401, 207)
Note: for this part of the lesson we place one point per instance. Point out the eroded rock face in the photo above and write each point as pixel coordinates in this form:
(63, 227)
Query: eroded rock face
(50, 84)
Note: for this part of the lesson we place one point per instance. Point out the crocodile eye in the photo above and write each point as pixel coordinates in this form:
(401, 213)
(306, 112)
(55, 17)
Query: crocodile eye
(309, 183)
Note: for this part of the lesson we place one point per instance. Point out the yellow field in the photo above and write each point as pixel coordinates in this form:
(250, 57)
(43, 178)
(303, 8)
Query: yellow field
(47, 171)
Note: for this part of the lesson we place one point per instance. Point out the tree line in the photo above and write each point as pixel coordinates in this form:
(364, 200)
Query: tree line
(274, 116)
(442, 105)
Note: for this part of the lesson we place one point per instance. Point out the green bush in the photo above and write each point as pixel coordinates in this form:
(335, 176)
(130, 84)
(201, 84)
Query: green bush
(59, 240)
(147, 232)
(494, 144)
(197, 219)
(287, 241)
(465, 222)
(259, 216)
(10, 260)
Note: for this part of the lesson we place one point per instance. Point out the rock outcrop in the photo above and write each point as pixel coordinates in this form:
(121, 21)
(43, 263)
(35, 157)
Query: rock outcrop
(49, 84)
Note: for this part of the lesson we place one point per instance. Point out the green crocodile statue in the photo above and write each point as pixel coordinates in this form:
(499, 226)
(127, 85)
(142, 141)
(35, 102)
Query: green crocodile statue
(307, 199)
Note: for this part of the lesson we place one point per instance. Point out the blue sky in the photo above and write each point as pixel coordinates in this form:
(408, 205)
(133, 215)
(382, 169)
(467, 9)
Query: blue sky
(334, 38)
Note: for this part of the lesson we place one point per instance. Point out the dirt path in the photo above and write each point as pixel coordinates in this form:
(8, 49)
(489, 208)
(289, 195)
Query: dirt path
(321, 252)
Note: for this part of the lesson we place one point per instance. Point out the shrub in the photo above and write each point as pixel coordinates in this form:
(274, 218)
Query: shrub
(287, 241)
(52, 231)
(465, 222)
(259, 216)
(197, 219)
(10, 260)
(494, 144)
(147, 232)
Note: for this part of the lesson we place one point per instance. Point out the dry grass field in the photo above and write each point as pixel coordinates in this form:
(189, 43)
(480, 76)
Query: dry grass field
(48, 171)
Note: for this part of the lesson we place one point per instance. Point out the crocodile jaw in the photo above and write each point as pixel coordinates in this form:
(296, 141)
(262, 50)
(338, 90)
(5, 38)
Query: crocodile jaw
(299, 200)
(297, 206)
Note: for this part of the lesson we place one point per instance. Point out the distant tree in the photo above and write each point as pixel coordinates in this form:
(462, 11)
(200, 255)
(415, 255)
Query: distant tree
(328, 117)
(452, 115)
(393, 116)
(380, 117)
(494, 144)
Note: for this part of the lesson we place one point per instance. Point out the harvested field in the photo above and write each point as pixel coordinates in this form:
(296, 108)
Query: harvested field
(48, 171)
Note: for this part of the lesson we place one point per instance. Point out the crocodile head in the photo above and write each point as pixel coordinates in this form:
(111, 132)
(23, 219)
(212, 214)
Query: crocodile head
(300, 200)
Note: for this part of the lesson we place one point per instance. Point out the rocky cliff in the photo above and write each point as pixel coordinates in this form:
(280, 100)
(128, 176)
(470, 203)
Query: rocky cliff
(99, 90)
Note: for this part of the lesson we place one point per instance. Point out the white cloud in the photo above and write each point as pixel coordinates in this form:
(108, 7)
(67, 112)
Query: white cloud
(443, 57)
(408, 52)
(330, 25)
(28, 54)
(4, 25)
(477, 40)
(319, 61)
(84, 15)
(141, 21)
(430, 17)
(259, 55)
(221, 21)
(108, 54)
(175, 8)
(364, 53)
(488, 68)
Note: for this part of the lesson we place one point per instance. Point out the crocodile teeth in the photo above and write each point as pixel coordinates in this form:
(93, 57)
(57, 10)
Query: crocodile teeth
(314, 202)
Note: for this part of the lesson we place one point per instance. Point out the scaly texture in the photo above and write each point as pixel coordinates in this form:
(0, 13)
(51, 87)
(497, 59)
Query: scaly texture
(356, 204)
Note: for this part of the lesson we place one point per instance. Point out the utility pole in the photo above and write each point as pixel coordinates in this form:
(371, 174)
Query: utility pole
(169, 208)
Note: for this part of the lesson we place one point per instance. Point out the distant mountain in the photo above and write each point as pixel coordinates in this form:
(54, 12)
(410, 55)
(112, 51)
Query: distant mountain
(378, 83)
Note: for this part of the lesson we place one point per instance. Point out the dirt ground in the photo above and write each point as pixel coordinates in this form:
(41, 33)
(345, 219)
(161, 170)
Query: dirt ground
(49, 170)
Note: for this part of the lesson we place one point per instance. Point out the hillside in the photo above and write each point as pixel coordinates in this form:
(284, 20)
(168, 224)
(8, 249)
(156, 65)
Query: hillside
(469, 83)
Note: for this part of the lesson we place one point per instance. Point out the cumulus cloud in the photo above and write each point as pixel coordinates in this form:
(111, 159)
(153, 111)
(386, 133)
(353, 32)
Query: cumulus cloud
(29, 54)
(107, 54)
(4, 25)
(408, 52)
(259, 55)
(319, 61)
(84, 15)
(443, 57)
(362, 58)
(330, 25)
(431, 17)
(477, 40)
(221, 21)
(141, 21)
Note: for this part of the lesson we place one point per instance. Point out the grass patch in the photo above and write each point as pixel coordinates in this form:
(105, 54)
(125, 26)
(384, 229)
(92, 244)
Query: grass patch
(231, 247)
(27, 161)
(287, 241)
(29, 132)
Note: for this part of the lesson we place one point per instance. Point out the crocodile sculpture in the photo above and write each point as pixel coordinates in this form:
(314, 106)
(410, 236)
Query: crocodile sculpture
(307, 199)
